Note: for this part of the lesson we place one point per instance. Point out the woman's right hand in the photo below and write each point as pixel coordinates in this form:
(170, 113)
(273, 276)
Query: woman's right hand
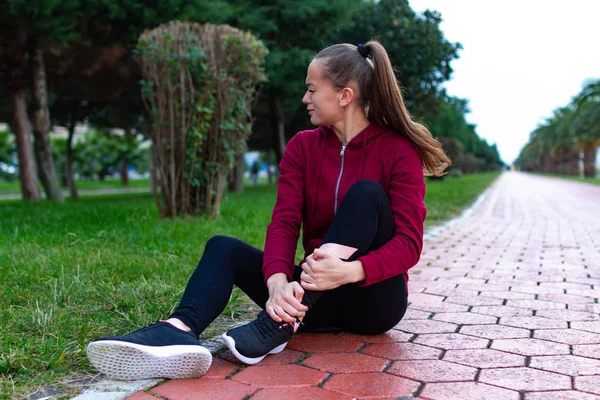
(284, 303)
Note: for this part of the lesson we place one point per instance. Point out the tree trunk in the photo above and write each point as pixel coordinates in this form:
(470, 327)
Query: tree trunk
(278, 126)
(69, 159)
(124, 173)
(41, 124)
(30, 189)
(237, 184)
(589, 160)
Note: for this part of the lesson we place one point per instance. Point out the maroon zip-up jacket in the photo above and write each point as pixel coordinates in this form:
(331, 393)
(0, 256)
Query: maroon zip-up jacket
(308, 195)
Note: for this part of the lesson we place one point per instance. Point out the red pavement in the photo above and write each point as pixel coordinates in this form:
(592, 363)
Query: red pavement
(504, 305)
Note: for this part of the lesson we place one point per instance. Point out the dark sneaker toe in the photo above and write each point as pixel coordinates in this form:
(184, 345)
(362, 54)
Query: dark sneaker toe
(250, 343)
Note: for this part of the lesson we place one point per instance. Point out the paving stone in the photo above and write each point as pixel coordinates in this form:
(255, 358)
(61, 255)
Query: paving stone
(426, 326)
(452, 292)
(593, 293)
(592, 308)
(220, 369)
(279, 376)
(484, 288)
(391, 336)
(566, 298)
(536, 290)
(441, 307)
(502, 311)
(524, 378)
(465, 318)
(586, 326)
(569, 336)
(425, 299)
(287, 356)
(411, 313)
(569, 315)
(510, 295)
(589, 384)
(587, 350)
(450, 341)
(432, 371)
(302, 393)
(402, 351)
(494, 331)
(536, 304)
(474, 301)
(533, 322)
(214, 389)
(346, 362)
(466, 390)
(484, 358)
(530, 347)
(567, 364)
(311, 342)
(375, 384)
(565, 285)
(561, 395)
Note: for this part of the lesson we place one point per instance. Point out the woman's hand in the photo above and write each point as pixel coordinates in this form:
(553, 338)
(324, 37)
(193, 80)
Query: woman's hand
(284, 303)
(324, 271)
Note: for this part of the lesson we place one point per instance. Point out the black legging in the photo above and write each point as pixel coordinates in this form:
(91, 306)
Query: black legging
(363, 221)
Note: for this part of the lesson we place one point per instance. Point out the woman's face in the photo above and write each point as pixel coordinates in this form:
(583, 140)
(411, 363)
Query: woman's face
(321, 99)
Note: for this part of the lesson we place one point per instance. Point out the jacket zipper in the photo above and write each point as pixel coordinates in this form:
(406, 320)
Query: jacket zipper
(337, 186)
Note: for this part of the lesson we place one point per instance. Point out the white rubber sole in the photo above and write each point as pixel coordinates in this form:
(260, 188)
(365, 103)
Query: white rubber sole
(130, 361)
(230, 342)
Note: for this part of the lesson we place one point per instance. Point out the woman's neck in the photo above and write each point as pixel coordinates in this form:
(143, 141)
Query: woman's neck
(354, 122)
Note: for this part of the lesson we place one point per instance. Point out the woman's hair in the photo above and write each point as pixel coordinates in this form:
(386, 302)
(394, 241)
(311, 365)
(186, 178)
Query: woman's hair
(381, 96)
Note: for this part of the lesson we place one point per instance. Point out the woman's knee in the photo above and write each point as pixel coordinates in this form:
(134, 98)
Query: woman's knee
(368, 190)
(220, 244)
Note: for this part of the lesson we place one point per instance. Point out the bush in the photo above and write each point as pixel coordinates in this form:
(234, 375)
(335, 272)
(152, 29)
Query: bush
(199, 85)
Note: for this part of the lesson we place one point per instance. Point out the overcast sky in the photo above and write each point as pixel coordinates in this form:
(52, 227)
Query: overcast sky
(520, 60)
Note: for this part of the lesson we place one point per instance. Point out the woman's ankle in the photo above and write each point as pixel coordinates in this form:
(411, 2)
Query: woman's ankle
(177, 323)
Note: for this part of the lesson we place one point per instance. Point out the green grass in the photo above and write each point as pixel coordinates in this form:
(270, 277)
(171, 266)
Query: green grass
(107, 265)
(594, 181)
(13, 187)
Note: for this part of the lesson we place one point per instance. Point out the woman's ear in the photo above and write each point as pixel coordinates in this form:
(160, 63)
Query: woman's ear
(346, 96)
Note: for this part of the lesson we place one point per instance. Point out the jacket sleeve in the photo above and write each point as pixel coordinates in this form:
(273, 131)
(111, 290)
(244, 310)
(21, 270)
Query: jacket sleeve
(406, 195)
(283, 231)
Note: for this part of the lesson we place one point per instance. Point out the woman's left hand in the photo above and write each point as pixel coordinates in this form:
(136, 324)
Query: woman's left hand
(323, 271)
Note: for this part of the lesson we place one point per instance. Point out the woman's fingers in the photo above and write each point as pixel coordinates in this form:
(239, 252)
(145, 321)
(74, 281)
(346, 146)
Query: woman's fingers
(299, 294)
(289, 313)
(310, 286)
(271, 311)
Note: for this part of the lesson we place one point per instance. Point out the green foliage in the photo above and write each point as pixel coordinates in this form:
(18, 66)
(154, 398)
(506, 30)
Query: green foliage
(572, 128)
(99, 153)
(418, 50)
(200, 108)
(293, 31)
(7, 147)
(7, 155)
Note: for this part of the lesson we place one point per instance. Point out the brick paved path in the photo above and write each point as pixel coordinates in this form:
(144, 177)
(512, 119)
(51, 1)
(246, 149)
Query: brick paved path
(504, 305)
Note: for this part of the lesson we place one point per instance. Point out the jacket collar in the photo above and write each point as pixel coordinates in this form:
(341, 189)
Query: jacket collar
(369, 133)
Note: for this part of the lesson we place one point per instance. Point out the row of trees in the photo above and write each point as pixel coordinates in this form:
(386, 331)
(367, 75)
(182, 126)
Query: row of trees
(555, 146)
(67, 62)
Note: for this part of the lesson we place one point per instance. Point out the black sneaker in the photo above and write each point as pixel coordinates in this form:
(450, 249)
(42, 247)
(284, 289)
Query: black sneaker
(156, 351)
(254, 341)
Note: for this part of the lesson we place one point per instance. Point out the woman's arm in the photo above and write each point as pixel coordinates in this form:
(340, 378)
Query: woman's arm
(407, 194)
(283, 231)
